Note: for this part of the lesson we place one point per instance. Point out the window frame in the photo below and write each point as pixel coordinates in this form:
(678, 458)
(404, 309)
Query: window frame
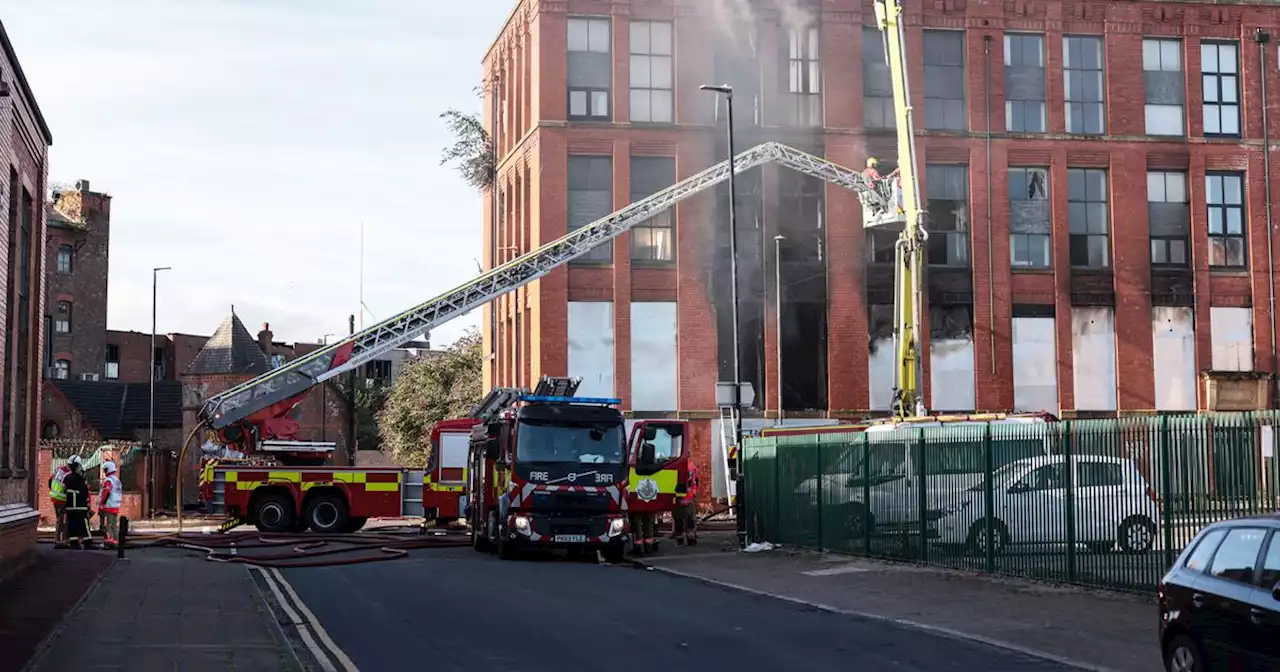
(1106, 209)
(63, 325)
(592, 257)
(65, 253)
(1067, 68)
(1259, 557)
(870, 98)
(1226, 208)
(949, 235)
(589, 91)
(109, 372)
(668, 216)
(1217, 78)
(963, 67)
(1014, 237)
(1160, 67)
(804, 77)
(1165, 240)
(650, 56)
(61, 369)
(1010, 102)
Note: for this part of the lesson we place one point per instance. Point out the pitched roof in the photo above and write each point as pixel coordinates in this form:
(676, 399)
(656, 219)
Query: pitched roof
(115, 409)
(230, 350)
(58, 220)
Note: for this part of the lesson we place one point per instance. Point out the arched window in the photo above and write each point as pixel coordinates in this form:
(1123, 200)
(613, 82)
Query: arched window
(66, 258)
(62, 369)
(62, 320)
(50, 430)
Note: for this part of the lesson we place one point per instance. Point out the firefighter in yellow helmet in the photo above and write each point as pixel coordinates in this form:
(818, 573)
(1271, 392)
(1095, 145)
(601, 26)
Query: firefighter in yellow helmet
(109, 499)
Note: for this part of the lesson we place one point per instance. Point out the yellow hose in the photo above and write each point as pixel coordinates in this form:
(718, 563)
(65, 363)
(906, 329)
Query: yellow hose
(181, 458)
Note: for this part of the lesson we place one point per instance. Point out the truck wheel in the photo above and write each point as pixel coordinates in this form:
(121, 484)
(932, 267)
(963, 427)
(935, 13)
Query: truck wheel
(506, 549)
(354, 525)
(614, 554)
(327, 514)
(274, 512)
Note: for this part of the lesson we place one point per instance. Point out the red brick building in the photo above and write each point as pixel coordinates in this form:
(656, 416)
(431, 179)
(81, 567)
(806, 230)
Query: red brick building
(1094, 175)
(76, 265)
(24, 147)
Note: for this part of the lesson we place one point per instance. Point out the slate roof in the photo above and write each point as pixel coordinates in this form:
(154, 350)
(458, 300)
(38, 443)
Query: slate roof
(230, 350)
(115, 410)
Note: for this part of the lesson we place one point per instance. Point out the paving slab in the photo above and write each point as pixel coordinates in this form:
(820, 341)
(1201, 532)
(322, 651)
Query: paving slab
(35, 599)
(1095, 629)
(162, 609)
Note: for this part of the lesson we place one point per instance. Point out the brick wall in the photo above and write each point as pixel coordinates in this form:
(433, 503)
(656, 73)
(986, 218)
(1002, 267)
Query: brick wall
(529, 56)
(85, 287)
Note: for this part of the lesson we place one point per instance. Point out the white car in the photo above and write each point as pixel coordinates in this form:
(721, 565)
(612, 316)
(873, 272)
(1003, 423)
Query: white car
(1110, 503)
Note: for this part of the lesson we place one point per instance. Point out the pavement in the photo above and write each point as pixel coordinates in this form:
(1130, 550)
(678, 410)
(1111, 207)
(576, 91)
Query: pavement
(1091, 629)
(163, 609)
(35, 600)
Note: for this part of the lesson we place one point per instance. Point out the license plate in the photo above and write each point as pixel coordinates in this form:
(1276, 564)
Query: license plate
(570, 538)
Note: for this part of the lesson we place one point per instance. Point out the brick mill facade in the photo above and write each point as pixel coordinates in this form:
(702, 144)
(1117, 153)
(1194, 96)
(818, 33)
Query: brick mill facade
(24, 147)
(1093, 172)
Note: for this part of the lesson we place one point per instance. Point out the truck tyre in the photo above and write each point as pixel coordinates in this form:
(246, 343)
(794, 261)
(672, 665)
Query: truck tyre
(614, 554)
(327, 514)
(355, 525)
(274, 512)
(479, 535)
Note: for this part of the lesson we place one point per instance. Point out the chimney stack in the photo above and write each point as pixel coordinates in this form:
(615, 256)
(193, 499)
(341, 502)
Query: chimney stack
(82, 185)
(264, 339)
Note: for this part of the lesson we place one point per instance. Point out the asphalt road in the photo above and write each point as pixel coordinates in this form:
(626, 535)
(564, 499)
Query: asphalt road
(452, 609)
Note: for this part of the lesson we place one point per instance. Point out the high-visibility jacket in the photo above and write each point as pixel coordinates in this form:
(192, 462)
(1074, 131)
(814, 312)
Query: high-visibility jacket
(111, 496)
(57, 486)
(691, 486)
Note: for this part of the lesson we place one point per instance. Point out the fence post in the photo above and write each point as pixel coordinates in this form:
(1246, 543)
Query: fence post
(989, 498)
(820, 472)
(1166, 484)
(1071, 501)
(777, 492)
(868, 520)
(922, 498)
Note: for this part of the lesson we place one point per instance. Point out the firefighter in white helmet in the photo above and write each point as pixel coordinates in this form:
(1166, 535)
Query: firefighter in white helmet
(109, 498)
(58, 495)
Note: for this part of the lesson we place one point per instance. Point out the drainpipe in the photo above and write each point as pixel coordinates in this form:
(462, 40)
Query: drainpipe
(1262, 37)
(991, 263)
(493, 219)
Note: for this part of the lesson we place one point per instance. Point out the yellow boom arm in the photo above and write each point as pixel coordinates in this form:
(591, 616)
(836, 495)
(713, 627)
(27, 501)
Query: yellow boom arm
(908, 394)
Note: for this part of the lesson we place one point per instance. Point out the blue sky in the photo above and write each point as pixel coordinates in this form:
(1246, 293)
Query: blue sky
(244, 141)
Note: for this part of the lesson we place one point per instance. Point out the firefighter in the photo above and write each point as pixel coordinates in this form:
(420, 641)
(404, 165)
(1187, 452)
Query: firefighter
(58, 495)
(78, 513)
(686, 513)
(109, 505)
(643, 530)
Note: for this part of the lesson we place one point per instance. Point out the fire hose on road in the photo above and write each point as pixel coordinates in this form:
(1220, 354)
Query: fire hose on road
(300, 549)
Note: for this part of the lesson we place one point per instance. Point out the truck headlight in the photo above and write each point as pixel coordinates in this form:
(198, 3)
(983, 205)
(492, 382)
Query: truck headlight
(615, 526)
(522, 525)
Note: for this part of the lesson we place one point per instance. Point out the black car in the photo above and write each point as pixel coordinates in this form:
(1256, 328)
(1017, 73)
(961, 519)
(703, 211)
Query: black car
(1220, 604)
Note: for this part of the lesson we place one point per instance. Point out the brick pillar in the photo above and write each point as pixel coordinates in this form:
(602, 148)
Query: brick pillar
(696, 339)
(549, 295)
(847, 352)
(622, 275)
(1061, 260)
(1131, 263)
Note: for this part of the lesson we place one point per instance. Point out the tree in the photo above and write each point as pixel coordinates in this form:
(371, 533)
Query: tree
(436, 387)
(370, 398)
(471, 150)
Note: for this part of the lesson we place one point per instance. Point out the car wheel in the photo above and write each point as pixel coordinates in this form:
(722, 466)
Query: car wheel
(1137, 534)
(977, 539)
(1183, 655)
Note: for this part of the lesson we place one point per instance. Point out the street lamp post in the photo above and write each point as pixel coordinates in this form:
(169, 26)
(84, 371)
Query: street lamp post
(727, 91)
(151, 397)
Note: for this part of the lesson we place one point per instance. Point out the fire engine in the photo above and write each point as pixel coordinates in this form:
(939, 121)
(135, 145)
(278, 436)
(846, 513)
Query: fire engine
(549, 470)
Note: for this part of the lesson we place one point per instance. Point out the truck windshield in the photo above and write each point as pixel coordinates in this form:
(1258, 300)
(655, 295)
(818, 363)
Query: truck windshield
(560, 441)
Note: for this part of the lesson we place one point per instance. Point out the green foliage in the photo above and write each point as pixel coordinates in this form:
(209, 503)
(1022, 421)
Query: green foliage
(438, 386)
(370, 398)
(471, 150)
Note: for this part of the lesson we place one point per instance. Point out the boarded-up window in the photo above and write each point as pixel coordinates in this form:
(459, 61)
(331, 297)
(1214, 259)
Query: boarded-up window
(654, 239)
(1035, 364)
(880, 362)
(951, 358)
(1231, 332)
(944, 80)
(653, 356)
(591, 347)
(1030, 222)
(1093, 355)
(591, 199)
(877, 86)
(1174, 358)
(948, 203)
(1024, 107)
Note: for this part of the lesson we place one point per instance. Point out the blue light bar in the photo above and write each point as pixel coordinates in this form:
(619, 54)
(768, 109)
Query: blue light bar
(570, 400)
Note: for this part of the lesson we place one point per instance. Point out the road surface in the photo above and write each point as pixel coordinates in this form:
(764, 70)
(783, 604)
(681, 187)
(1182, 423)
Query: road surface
(453, 609)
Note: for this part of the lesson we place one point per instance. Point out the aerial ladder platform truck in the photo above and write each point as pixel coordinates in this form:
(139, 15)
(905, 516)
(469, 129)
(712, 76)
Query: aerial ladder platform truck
(258, 470)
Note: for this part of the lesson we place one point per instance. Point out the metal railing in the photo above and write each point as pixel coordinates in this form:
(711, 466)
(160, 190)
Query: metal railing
(1101, 503)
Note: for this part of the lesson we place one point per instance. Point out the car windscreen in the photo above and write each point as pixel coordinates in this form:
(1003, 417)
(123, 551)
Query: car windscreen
(581, 442)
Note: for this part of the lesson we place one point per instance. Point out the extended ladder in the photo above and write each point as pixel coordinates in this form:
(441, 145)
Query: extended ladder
(296, 377)
(728, 450)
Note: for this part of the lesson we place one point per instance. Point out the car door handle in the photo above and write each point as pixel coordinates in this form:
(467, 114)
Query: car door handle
(1257, 616)
(1197, 600)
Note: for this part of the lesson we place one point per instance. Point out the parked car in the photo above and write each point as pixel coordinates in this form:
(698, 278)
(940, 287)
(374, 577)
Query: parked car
(1220, 603)
(1109, 501)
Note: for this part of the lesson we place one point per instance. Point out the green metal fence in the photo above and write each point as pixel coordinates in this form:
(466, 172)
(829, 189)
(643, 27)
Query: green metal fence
(1103, 503)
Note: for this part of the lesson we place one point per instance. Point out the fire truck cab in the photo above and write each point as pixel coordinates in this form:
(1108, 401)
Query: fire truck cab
(548, 470)
(659, 461)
